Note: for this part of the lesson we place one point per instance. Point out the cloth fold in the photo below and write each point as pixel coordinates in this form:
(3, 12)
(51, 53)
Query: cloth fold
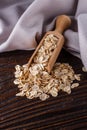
(22, 24)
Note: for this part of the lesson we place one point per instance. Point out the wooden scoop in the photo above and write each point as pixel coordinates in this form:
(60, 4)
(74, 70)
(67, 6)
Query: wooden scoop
(62, 23)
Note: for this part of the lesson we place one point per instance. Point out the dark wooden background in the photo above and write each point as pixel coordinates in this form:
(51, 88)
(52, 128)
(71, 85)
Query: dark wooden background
(65, 112)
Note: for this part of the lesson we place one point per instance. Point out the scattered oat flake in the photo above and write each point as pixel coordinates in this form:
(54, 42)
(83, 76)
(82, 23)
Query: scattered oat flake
(77, 76)
(84, 69)
(74, 85)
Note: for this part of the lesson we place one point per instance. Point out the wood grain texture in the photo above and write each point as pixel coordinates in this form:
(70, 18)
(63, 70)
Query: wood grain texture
(65, 112)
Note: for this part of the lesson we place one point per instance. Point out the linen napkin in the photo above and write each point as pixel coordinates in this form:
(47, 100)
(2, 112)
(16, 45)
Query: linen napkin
(23, 23)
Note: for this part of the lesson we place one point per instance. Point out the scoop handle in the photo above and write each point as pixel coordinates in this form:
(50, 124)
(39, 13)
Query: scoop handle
(62, 23)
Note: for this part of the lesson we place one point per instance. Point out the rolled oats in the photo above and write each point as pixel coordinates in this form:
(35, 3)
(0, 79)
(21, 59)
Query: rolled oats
(54, 92)
(35, 81)
(74, 85)
(77, 77)
(20, 94)
(43, 96)
(84, 69)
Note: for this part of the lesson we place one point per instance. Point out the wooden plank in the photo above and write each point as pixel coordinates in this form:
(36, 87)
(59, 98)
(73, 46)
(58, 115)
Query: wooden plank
(65, 112)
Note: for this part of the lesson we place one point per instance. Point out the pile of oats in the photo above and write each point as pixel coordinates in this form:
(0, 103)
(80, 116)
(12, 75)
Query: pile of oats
(35, 81)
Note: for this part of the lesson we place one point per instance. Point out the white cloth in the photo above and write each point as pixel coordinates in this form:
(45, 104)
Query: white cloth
(23, 22)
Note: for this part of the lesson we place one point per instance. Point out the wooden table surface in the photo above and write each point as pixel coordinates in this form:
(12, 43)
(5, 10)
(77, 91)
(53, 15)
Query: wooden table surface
(65, 112)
